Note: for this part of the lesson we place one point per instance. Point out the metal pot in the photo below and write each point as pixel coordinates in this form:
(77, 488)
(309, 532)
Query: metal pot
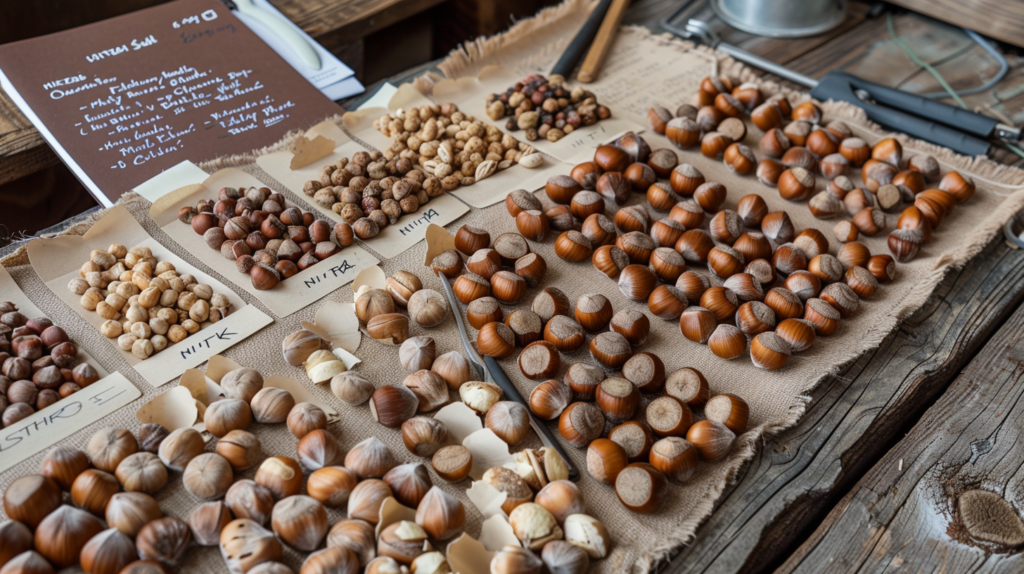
(781, 18)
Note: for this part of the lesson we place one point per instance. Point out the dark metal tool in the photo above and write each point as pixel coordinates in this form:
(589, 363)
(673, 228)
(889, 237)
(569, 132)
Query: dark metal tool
(489, 370)
(960, 130)
(581, 42)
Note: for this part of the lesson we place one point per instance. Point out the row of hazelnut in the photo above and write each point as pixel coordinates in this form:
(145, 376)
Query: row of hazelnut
(146, 304)
(266, 239)
(803, 147)
(40, 365)
(750, 249)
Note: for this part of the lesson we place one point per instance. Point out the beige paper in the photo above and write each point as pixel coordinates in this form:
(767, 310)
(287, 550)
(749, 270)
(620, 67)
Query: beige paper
(494, 189)
(317, 142)
(372, 277)
(496, 533)
(466, 555)
(360, 124)
(486, 498)
(302, 289)
(63, 418)
(471, 93)
(58, 260)
(392, 511)
(184, 173)
(488, 451)
(393, 239)
(174, 409)
(337, 323)
(438, 241)
(410, 229)
(461, 421)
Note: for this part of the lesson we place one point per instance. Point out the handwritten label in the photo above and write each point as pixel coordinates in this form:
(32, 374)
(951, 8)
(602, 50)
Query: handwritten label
(182, 80)
(222, 335)
(412, 228)
(63, 418)
(335, 271)
(408, 229)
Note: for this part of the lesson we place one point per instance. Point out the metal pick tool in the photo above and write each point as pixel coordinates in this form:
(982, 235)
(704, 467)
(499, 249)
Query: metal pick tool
(488, 370)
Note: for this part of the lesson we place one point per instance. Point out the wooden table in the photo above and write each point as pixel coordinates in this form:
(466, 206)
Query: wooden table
(885, 468)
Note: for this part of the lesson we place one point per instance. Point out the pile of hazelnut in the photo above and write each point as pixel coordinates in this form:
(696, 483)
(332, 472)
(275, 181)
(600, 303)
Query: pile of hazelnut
(453, 148)
(546, 108)
(798, 146)
(147, 304)
(764, 281)
(543, 506)
(40, 365)
(266, 239)
(116, 477)
(369, 193)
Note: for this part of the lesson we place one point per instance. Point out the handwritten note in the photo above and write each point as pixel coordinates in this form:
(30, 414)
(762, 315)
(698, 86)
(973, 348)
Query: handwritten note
(126, 98)
(412, 228)
(50, 425)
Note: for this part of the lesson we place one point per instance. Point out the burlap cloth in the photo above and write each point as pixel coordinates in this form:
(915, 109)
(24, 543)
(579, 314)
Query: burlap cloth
(776, 399)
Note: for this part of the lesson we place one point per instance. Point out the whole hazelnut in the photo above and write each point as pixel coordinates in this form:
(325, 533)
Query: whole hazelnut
(61, 536)
(207, 476)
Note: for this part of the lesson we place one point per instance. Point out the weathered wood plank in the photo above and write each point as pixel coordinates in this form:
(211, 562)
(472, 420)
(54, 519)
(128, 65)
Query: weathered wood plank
(853, 418)
(946, 497)
(1000, 20)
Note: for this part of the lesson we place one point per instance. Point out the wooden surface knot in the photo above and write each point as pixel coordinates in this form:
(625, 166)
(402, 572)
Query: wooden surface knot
(988, 517)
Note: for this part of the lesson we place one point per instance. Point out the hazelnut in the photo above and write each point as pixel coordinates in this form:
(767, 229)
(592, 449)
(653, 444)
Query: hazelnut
(440, 514)
(226, 415)
(246, 499)
(165, 540)
(245, 544)
(180, 447)
(63, 465)
(108, 447)
(480, 396)
(93, 489)
(61, 536)
(300, 521)
(366, 499)
(30, 499)
(452, 463)
(304, 418)
(241, 384)
(271, 405)
(207, 521)
(241, 449)
(427, 308)
(142, 472)
(331, 485)
(208, 476)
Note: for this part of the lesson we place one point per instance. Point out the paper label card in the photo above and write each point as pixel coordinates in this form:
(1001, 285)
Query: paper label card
(63, 418)
(123, 99)
(290, 295)
(58, 260)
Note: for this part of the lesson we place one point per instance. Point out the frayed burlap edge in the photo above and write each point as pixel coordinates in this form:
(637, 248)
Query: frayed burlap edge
(461, 62)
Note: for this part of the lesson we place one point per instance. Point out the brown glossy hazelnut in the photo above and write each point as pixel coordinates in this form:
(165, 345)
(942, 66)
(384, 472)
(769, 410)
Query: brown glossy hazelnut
(727, 342)
(632, 218)
(561, 189)
(564, 333)
(533, 225)
(520, 200)
(611, 158)
(769, 171)
(882, 267)
(30, 499)
(853, 254)
(549, 399)
(610, 260)
(510, 247)
(409, 482)
(823, 316)
(586, 174)
(613, 186)
(640, 487)
(599, 230)
(610, 349)
(580, 423)
(710, 196)
(637, 282)
(61, 536)
(392, 405)
(142, 472)
(796, 184)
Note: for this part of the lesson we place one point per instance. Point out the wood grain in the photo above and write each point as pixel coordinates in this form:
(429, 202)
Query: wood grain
(946, 497)
(852, 420)
(994, 18)
(590, 69)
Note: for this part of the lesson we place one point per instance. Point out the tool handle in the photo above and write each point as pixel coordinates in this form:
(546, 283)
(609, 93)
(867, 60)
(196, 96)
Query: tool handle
(911, 114)
(502, 380)
(579, 45)
(591, 67)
